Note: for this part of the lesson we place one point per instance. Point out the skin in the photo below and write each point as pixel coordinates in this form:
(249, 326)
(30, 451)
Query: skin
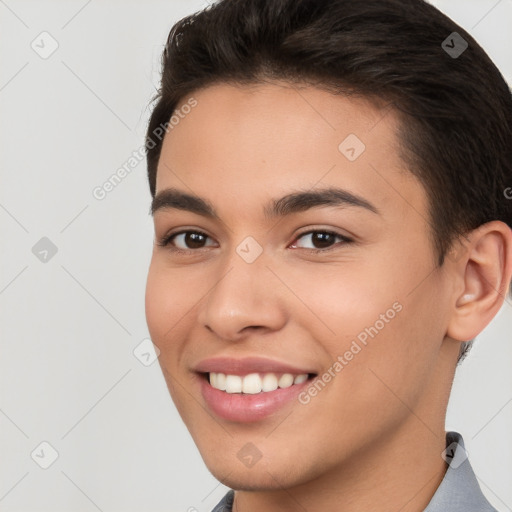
(372, 438)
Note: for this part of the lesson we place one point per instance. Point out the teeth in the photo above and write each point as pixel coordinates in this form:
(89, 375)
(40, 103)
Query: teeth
(269, 382)
(251, 384)
(218, 380)
(254, 383)
(233, 384)
(299, 379)
(221, 381)
(286, 380)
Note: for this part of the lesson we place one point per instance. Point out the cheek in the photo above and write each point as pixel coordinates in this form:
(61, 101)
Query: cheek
(393, 362)
(165, 304)
(368, 322)
(154, 303)
(165, 310)
(339, 301)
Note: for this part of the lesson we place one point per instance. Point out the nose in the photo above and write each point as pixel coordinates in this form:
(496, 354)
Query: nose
(244, 297)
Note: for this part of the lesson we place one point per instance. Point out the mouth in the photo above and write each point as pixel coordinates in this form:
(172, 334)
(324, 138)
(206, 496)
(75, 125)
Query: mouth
(251, 397)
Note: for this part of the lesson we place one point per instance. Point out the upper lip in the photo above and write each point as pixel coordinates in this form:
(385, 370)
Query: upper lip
(246, 365)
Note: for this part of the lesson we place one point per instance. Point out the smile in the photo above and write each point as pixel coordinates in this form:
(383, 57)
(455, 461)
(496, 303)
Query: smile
(254, 383)
(252, 388)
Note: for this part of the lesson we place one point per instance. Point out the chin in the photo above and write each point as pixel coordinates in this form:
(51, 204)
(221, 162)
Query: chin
(253, 479)
(262, 476)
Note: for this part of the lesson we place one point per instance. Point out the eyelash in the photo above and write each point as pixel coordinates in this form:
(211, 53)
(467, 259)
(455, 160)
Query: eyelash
(166, 241)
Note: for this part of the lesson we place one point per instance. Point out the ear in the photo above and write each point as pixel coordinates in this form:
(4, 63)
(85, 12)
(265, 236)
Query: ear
(482, 274)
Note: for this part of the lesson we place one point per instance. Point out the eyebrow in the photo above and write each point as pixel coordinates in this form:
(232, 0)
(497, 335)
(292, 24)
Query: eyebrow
(294, 202)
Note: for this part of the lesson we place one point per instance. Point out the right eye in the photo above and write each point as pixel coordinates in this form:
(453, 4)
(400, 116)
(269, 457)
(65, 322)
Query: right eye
(189, 240)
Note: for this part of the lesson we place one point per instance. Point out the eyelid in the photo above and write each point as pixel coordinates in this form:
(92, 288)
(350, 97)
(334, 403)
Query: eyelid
(345, 239)
(165, 241)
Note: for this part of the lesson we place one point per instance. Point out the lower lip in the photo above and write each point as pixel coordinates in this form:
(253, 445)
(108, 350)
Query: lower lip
(245, 408)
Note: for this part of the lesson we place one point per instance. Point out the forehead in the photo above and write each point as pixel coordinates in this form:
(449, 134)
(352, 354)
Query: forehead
(247, 143)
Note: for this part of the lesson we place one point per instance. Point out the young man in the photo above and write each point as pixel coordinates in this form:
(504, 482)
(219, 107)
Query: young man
(332, 219)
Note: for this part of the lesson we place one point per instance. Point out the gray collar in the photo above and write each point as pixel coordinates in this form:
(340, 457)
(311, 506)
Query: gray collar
(459, 490)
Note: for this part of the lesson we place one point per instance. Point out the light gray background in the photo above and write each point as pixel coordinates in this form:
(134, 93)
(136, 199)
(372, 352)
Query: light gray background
(70, 325)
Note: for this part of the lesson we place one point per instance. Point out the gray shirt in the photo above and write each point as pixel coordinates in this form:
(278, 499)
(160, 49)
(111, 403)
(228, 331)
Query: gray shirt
(458, 492)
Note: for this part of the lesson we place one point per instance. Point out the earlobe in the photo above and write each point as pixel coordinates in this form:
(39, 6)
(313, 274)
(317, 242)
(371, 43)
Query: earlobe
(485, 272)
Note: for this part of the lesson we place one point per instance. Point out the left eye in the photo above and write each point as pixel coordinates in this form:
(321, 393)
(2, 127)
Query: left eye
(321, 239)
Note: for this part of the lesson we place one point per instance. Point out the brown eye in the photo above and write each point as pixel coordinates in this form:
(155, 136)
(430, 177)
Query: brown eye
(193, 240)
(323, 241)
(185, 240)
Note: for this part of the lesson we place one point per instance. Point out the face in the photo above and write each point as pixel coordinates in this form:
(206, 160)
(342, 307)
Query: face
(269, 288)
